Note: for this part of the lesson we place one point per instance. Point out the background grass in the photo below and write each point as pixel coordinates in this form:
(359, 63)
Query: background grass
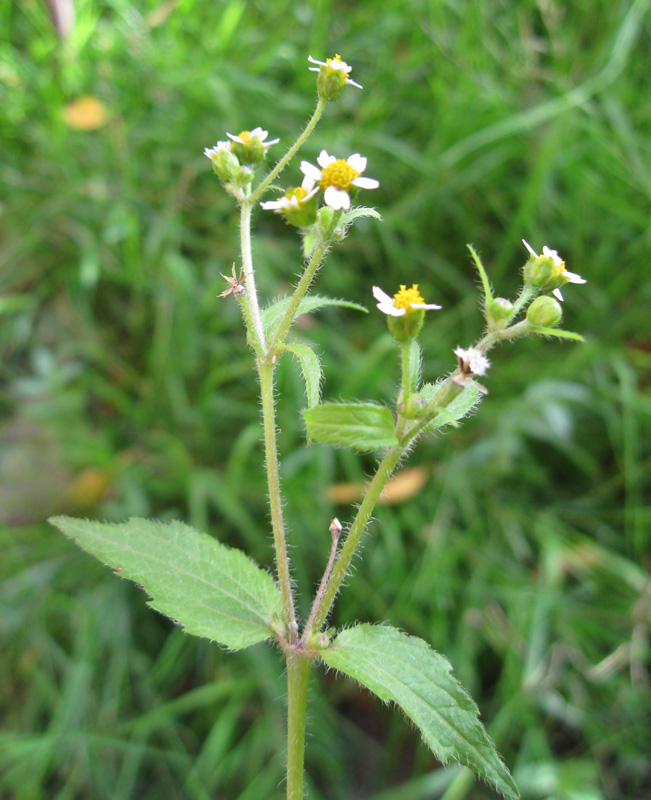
(127, 388)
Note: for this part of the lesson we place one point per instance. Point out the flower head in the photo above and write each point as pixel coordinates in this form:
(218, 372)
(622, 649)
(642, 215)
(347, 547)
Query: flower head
(333, 76)
(547, 271)
(338, 178)
(405, 311)
(296, 205)
(402, 302)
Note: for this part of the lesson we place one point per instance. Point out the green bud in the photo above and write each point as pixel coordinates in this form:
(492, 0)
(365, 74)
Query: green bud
(251, 151)
(224, 163)
(408, 326)
(545, 312)
(498, 311)
(327, 220)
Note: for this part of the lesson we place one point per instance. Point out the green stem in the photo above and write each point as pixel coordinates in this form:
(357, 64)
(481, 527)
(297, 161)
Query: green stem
(409, 370)
(275, 502)
(257, 331)
(299, 293)
(298, 681)
(280, 166)
(527, 293)
(321, 609)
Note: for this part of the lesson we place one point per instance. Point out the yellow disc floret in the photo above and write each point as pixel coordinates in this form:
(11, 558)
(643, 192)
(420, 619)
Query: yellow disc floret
(405, 297)
(245, 136)
(339, 174)
(336, 60)
(299, 193)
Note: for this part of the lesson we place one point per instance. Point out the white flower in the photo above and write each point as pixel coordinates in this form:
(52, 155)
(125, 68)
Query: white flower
(336, 177)
(291, 202)
(212, 151)
(403, 301)
(565, 275)
(257, 133)
(471, 361)
(335, 64)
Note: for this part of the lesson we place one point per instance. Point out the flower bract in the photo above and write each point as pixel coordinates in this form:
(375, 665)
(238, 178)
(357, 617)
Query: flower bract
(337, 178)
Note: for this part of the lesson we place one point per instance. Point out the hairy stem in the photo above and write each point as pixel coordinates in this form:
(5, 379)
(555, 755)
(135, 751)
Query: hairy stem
(265, 372)
(299, 293)
(298, 681)
(280, 166)
(321, 609)
(257, 333)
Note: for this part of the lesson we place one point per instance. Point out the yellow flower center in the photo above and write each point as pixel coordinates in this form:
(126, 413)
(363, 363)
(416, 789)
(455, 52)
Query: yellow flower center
(405, 297)
(334, 61)
(245, 136)
(339, 174)
(299, 193)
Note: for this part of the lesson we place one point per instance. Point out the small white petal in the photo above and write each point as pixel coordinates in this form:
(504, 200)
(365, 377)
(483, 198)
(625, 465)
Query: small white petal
(324, 159)
(365, 183)
(234, 138)
(553, 254)
(382, 296)
(530, 248)
(272, 205)
(268, 144)
(352, 83)
(336, 198)
(557, 293)
(314, 61)
(426, 306)
(572, 277)
(259, 133)
(310, 193)
(308, 183)
(357, 162)
(310, 171)
(390, 310)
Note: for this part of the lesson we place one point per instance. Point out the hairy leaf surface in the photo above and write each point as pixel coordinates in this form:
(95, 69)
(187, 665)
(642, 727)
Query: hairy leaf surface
(364, 426)
(209, 589)
(406, 671)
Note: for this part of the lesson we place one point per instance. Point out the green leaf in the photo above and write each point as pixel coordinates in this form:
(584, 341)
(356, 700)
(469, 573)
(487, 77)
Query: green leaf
(555, 332)
(456, 409)
(272, 315)
(209, 589)
(358, 213)
(482, 273)
(405, 670)
(364, 426)
(311, 370)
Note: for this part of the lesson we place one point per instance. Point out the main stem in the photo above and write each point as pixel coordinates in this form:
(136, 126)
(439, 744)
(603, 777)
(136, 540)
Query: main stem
(265, 371)
(298, 681)
(249, 278)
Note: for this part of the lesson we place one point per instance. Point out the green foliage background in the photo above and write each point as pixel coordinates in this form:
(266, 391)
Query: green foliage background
(127, 388)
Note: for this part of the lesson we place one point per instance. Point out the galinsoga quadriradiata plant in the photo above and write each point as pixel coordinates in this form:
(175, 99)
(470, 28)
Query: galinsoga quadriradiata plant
(220, 593)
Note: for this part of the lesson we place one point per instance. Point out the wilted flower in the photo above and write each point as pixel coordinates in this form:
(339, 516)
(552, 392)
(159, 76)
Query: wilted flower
(337, 178)
(471, 362)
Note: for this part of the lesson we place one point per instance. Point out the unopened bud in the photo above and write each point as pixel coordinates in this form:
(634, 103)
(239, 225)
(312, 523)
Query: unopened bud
(545, 312)
(499, 311)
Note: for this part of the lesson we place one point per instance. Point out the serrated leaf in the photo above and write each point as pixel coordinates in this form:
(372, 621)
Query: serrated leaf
(209, 589)
(364, 426)
(576, 337)
(311, 368)
(456, 409)
(272, 315)
(405, 670)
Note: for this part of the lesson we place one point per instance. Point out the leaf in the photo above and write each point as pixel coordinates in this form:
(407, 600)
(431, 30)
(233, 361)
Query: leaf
(555, 332)
(311, 370)
(456, 409)
(482, 273)
(358, 213)
(211, 590)
(405, 670)
(272, 315)
(364, 426)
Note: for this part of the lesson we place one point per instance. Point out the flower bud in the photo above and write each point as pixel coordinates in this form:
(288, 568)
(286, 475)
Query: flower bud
(327, 219)
(542, 273)
(545, 312)
(498, 311)
(248, 149)
(332, 77)
(224, 163)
